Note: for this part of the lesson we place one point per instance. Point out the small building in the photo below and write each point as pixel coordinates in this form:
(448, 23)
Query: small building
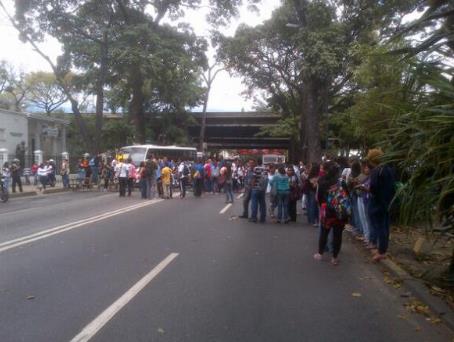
(28, 132)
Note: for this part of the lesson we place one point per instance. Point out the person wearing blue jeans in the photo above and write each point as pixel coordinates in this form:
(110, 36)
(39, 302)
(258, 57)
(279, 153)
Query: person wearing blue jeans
(281, 182)
(282, 206)
(312, 208)
(258, 200)
(259, 184)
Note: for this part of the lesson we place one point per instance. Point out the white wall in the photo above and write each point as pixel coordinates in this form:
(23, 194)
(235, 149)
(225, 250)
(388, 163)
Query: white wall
(13, 130)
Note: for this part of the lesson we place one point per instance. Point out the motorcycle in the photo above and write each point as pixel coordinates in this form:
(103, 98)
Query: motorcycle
(4, 195)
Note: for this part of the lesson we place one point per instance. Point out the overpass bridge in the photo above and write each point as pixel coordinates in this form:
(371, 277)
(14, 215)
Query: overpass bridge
(237, 130)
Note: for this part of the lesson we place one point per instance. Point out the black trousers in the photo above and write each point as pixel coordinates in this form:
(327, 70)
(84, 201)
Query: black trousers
(246, 200)
(292, 210)
(130, 185)
(337, 239)
(16, 180)
(122, 181)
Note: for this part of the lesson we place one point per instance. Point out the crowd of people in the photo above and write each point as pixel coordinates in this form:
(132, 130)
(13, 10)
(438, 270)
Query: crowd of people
(43, 174)
(336, 194)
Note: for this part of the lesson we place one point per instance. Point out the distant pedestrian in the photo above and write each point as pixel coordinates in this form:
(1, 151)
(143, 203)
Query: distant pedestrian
(166, 177)
(131, 175)
(142, 180)
(226, 175)
(43, 175)
(64, 172)
(258, 190)
(7, 174)
(183, 177)
(16, 173)
(281, 182)
(295, 193)
(121, 172)
(198, 178)
(249, 175)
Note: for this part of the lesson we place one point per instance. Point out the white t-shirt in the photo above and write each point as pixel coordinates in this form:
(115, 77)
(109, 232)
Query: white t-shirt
(121, 170)
(346, 173)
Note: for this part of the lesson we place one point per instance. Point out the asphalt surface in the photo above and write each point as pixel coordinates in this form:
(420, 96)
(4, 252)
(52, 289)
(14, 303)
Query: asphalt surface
(231, 281)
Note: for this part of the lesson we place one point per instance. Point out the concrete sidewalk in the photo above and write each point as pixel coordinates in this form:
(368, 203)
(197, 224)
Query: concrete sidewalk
(32, 189)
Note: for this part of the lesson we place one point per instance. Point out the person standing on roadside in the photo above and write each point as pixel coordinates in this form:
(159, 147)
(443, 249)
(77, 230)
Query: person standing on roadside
(281, 182)
(198, 178)
(16, 175)
(131, 175)
(382, 191)
(183, 177)
(295, 193)
(166, 177)
(142, 180)
(150, 177)
(42, 175)
(271, 189)
(248, 177)
(310, 188)
(258, 190)
(64, 172)
(328, 185)
(7, 174)
(207, 175)
(121, 172)
(226, 174)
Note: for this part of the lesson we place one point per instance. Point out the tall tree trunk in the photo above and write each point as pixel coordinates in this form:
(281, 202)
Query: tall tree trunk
(136, 105)
(100, 92)
(204, 121)
(311, 126)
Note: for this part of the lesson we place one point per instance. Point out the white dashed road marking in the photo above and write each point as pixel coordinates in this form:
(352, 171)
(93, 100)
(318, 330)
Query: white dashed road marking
(92, 328)
(225, 208)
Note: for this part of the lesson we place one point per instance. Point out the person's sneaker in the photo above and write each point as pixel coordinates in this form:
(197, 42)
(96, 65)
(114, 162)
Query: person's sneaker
(318, 256)
(335, 261)
(253, 220)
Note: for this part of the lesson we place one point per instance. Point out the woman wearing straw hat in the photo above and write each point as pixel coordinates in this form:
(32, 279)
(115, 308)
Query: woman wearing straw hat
(382, 190)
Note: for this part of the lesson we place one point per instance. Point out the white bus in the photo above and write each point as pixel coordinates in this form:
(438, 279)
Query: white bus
(140, 153)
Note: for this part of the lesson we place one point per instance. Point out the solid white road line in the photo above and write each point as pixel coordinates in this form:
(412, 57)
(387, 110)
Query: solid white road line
(225, 208)
(240, 195)
(69, 226)
(92, 328)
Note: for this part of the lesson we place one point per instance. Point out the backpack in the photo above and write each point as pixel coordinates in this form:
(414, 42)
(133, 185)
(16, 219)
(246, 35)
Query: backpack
(338, 203)
(185, 170)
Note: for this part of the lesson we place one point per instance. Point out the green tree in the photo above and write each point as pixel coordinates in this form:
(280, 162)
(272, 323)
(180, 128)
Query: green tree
(13, 87)
(44, 91)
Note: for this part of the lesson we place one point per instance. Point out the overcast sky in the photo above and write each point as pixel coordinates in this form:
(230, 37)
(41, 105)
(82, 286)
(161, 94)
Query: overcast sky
(225, 94)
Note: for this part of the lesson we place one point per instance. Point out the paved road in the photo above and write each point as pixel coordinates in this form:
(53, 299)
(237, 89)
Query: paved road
(231, 280)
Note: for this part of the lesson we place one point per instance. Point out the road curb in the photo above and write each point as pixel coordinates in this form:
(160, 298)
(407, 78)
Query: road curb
(54, 190)
(22, 194)
(421, 291)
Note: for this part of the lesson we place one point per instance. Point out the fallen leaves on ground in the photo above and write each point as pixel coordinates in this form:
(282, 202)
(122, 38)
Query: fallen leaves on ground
(397, 284)
(356, 294)
(161, 331)
(417, 307)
